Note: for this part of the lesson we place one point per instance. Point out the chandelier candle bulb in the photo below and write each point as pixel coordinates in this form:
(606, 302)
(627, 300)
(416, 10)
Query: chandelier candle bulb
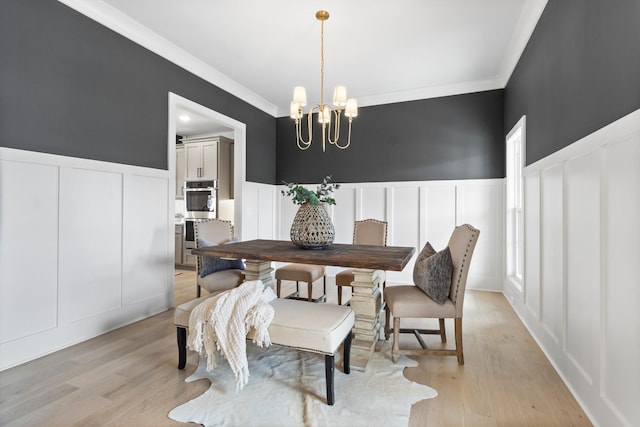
(324, 116)
(340, 96)
(300, 96)
(352, 108)
(294, 111)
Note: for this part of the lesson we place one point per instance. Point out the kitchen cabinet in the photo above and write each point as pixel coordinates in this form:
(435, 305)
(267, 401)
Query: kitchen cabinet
(201, 161)
(210, 158)
(180, 171)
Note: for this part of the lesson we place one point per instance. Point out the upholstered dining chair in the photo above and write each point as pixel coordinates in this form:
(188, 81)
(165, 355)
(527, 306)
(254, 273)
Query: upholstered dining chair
(308, 273)
(365, 232)
(210, 232)
(408, 301)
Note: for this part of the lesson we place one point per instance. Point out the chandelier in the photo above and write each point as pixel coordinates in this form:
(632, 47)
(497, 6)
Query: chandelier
(324, 112)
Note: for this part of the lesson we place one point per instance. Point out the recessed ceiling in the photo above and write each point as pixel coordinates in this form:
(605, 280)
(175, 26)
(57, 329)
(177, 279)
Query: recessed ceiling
(381, 51)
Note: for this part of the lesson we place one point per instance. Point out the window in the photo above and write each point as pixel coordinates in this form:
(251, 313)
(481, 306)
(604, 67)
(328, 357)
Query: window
(514, 204)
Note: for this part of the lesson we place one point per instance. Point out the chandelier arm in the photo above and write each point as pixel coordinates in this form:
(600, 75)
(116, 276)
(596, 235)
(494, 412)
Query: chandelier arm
(342, 147)
(302, 144)
(336, 128)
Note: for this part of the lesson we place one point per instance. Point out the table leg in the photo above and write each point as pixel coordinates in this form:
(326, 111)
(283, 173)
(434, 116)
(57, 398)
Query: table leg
(259, 270)
(366, 302)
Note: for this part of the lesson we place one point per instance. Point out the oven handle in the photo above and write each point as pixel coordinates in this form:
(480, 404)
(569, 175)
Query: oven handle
(200, 189)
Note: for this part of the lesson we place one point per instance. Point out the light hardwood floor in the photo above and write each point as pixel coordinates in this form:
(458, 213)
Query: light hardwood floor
(128, 377)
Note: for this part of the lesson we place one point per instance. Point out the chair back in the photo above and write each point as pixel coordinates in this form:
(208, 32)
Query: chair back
(370, 232)
(215, 231)
(461, 244)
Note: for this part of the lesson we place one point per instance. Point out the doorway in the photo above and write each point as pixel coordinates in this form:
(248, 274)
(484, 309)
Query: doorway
(209, 122)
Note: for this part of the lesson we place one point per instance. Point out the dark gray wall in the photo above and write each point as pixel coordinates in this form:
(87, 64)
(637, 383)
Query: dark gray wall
(453, 137)
(579, 72)
(70, 86)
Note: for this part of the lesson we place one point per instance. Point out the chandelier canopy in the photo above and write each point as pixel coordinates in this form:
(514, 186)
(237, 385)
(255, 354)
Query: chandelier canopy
(323, 111)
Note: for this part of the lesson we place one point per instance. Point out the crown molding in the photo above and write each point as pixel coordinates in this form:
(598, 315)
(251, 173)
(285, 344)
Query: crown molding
(526, 24)
(122, 24)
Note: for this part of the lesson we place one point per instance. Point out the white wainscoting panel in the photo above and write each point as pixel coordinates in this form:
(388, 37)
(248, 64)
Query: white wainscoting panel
(439, 204)
(85, 247)
(418, 212)
(582, 263)
(532, 290)
(481, 204)
(552, 252)
(258, 211)
(581, 298)
(373, 203)
(91, 250)
(347, 208)
(28, 248)
(145, 262)
(621, 285)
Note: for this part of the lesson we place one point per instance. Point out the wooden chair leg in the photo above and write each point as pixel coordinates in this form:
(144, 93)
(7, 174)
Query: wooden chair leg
(329, 368)
(278, 285)
(310, 291)
(324, 288)
(395, 353)
(459, 353)
(443, 331)
(387, 325)
(182, 347)
(339, 295)
(197, 291)
(346, 353)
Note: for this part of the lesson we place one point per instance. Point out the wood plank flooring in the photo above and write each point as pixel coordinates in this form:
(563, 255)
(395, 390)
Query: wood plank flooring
(128, 377)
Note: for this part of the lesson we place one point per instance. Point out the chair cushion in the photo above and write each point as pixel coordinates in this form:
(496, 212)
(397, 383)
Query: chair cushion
(314, 327)
(183, 311)
(221, 280)
(432, 273)
(300, 272)
(411, 301)
(344, 278)
(212, 264)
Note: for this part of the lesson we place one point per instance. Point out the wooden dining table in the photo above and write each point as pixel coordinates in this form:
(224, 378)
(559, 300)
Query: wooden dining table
(368, 263)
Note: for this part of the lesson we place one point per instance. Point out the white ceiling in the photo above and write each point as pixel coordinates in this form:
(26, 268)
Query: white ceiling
(198, 123)
(382, 51)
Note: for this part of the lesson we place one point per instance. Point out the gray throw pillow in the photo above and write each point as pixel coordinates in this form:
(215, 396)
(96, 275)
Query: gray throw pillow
(212, 264)
(432, 273)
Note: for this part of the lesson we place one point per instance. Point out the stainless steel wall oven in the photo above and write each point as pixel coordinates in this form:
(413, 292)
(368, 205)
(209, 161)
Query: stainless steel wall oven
(200, 199)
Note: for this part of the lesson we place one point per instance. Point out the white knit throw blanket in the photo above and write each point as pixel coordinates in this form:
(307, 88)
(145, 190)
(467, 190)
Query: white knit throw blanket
(223, 321)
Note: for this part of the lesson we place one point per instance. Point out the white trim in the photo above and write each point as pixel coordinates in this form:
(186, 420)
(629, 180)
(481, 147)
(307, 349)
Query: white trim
(517, 283)
(239, 154)
(529, 17)
(425, 93)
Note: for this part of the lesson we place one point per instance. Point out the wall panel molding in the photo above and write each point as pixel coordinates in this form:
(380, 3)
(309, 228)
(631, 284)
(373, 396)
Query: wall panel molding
(582, 206)
(87, 247)
(418, 212)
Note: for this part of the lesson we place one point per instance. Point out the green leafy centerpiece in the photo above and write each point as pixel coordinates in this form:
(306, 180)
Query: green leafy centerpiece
(312, 227)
